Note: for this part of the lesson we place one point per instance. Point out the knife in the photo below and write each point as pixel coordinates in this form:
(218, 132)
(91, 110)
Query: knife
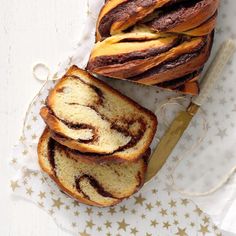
(183, 118)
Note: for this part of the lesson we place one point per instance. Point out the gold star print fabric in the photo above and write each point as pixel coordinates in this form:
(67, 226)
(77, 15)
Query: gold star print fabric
(158, 208)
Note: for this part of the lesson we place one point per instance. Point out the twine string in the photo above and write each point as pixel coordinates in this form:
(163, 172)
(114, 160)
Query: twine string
(224, 180)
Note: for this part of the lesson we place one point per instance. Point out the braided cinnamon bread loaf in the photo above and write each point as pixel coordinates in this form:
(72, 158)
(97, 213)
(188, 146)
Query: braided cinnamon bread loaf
(91, 183)
(154, 42)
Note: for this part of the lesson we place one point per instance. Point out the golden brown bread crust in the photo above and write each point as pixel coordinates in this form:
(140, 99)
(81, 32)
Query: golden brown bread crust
(177, 16)
(57, 130)
(167, 18)
(109, 15)
(76, 155)
(190, 15)
(149, 70)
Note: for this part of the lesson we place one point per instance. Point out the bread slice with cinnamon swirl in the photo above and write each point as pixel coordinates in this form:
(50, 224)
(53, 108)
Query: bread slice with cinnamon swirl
(90, 183)
(85, 114)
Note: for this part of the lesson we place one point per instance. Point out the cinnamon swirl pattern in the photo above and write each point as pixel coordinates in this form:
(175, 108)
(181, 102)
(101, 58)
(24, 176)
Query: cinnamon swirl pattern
(87, 115)
(154, 42)
(90, 182)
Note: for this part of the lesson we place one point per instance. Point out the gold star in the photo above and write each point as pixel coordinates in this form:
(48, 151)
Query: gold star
(133, 211)
(89, 224)
(206, 220)
(28, 127)
(89, 210)
(166, 225)
(29, 191)
(154, 223)
(154, 191)
(139, 199)
(57, 203)
(172, 203)
(122, 225)
(123, 209)
(186, 215)
(34, 136)
(14, 185)
(112, 210)
(204, 229)
(42, 195)
(14, 161)
(27, 173)
(163, 212)
(40, 204)
(99, 214)
(192, 224)
(134, 231)
(75, 203)
(25, 152)
(198, 211)
(181, 232)
(108, 224)
(143, 216)
(176, 222)
(22, 139)
(174, 213)
(76, 213)
(51, 212)
(84, 233)
(184, 202)
(42, 180)
(149, 206)
(158, 203)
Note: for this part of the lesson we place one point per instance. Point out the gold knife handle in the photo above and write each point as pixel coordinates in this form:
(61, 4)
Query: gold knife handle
(215, 70)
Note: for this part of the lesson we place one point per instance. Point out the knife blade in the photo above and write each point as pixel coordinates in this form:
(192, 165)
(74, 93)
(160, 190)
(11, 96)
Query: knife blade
(183, 118)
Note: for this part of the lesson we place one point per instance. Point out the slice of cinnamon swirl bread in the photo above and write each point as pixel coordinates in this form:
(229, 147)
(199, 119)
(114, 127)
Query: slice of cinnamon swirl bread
(90, 183)
(85, 114)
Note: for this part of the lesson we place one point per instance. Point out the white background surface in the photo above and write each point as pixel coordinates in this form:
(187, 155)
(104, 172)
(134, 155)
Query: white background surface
(30, 31)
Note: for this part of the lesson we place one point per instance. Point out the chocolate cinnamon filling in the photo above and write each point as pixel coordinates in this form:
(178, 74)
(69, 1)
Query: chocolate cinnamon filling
(121, 13)
(75, 126)
(166, 66)
(134, 138)
(172, 63)
(125, 57)
(175, 83)
(96, 185)
(78, 126)
(51, 153)
(133, 141)
(172, 16)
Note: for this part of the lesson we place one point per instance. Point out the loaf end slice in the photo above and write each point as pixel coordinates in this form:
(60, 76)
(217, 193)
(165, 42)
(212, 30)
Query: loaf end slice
(94, 184)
